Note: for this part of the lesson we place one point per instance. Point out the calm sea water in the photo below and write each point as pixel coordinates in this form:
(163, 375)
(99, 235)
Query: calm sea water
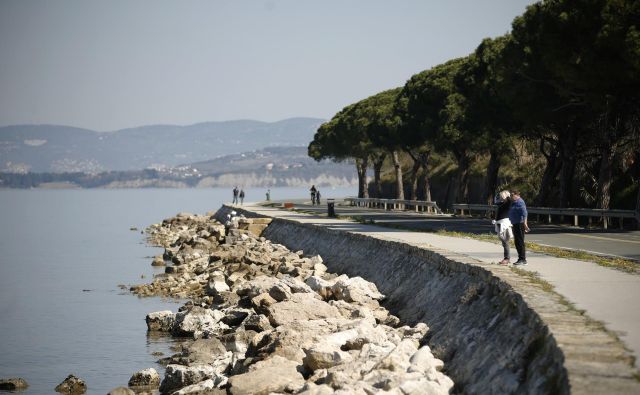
(54, 245)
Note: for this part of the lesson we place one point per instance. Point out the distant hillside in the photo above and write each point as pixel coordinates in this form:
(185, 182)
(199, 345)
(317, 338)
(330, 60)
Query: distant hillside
(269, 167)
(277, 166)
(57, 149)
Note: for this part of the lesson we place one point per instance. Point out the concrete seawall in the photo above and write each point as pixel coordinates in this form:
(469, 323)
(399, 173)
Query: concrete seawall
(497, 331)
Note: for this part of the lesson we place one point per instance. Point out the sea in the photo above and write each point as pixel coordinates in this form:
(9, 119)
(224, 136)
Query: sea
(64, 254)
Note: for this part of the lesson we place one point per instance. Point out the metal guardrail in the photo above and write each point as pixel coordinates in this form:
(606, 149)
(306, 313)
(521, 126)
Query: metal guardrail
(395, 204)
(549, 211)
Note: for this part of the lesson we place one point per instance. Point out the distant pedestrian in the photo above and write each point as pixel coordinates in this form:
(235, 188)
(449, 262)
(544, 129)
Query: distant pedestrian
(313, 191)
(518, 217)
(503, 226)
(241, 196)
(268, 195)
(318, 197)
(235, 194)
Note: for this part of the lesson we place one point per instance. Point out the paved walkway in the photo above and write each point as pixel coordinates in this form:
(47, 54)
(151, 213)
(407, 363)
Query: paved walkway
(607, 295)
(612, 242)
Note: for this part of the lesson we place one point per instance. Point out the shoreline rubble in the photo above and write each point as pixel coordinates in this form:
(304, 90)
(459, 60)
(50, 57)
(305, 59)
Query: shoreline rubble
(261, 319)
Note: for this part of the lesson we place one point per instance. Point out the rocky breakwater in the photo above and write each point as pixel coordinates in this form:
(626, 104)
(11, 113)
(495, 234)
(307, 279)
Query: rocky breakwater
(262, 319)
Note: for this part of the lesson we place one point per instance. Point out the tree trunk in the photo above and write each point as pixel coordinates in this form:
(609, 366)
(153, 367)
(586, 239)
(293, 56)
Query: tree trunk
(550, 173)
(414, 179)
(607, 153)
(361, 166)
(462, 190)
(492, 176)
(398, 169)
(638, 206)
(568, 151)
(450, 195)
(377, 182)
(424, 161)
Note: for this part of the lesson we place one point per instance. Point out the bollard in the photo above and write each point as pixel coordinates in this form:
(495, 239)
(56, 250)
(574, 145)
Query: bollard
(331, 209)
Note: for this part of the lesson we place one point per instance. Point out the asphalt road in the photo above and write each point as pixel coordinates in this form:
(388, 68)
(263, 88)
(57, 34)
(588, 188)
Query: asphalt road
(622, 243)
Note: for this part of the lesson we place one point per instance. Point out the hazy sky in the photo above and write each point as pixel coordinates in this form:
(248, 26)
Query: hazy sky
(111, 64)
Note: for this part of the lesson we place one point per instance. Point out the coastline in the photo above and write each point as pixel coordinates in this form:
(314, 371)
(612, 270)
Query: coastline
(494, 330)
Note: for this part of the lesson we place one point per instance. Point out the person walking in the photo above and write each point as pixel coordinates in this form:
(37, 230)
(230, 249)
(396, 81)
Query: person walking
(241, 196)
(268, 195)
(235, 195)
(503, 226)
(313, 191)
(318, 197)
(518, 218)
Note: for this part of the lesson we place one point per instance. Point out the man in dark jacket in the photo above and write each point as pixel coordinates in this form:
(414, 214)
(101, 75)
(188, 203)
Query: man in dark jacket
(518, 218)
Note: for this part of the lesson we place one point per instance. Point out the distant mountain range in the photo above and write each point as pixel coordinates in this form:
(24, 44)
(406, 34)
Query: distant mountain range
(63, 149)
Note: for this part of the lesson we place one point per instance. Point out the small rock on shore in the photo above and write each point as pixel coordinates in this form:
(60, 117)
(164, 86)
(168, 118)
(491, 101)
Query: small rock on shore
(72, 385)
(13, 384)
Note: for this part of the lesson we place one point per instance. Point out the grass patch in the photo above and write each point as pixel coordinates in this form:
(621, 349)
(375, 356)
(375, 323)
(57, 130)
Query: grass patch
(625, 265)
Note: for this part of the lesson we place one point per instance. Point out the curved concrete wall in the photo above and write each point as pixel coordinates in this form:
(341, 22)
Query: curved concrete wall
(491, 339)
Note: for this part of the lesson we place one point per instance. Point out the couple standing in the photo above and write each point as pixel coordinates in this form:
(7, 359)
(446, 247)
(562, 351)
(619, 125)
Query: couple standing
(511, 222)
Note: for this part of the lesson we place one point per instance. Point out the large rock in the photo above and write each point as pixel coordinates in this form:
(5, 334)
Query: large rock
(300, 307)
(324, 356)
(158, 260)
(257, 322)
(196, 321)
(121, 391)
(72, 385)
(179, 376)
(160, 321)
(203, 387)
(356, 289)
(217, 284)
(204, 351)
(277, 374)
(13, 384)
(238, 340)
(145, 378)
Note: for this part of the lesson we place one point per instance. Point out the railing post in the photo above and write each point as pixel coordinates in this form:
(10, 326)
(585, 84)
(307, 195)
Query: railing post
(605, 222)
(575, 220)
(549, 219)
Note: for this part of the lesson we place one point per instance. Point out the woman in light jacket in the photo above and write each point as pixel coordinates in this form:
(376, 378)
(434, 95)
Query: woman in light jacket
(503, 224)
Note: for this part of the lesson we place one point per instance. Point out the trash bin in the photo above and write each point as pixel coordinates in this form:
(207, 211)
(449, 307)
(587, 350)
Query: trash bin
(331, 208)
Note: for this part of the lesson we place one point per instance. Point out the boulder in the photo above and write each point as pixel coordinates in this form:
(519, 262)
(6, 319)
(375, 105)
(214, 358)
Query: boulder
(204, 351)
(162, 321)
(257, 286)
(121, 391)
(13, 384)
(311, 388)
(217, 284)
(300, 307)
(276, 374)
(257, 322)
(295, 285)
(196, 321)
(179, 376)
(356, 289)
(280, 292)
(235, 317)
(324, 356)
(203, 387)
(72, 385)
(320, 286)
(145, 378)
(239, 340)
(158, 261)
